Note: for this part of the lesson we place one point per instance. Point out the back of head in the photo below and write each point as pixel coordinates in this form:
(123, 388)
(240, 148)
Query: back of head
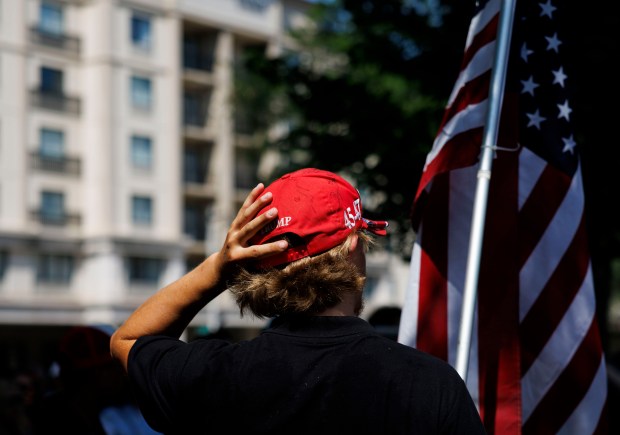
(318, 212)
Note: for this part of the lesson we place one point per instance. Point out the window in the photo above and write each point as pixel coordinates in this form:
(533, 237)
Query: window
(198, 51)
(195, 165)
(194, 221)
(195, 108)
(142, 210)
(141, 93)
(191, 52)
(51, 80)
(54, 269)
(144, 270)
(52, 207)
(141, 152)
(52, 143)
(51, 18)
(141, 31)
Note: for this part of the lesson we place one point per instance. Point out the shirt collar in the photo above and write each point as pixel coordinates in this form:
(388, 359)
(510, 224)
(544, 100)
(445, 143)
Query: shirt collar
(319, 326)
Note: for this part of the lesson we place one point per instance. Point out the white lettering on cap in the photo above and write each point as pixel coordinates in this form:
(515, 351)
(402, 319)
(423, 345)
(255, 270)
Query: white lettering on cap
(284, 221)
(350, 218)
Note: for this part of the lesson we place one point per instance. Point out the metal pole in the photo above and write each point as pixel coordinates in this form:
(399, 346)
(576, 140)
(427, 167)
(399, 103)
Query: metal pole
(496, 93)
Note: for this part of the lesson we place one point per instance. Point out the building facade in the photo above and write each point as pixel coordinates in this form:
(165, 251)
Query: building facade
(121, 160)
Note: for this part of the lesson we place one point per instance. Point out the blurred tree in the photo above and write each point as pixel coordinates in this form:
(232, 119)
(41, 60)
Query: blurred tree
(363, 95)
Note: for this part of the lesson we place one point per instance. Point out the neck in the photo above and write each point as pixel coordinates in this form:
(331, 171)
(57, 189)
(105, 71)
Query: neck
(351, 305)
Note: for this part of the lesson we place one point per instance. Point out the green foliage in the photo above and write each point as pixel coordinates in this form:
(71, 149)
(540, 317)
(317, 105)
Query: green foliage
(362, 93)
(365, 89)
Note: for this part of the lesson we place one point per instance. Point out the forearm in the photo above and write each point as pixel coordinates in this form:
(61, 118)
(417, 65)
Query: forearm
(171, 309)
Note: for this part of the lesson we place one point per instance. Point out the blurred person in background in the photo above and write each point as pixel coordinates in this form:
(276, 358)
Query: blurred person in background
(93, 396)
(19, 392)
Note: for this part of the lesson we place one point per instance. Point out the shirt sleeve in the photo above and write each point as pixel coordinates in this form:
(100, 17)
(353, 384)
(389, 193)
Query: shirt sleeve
(463, 416)
(163, 376)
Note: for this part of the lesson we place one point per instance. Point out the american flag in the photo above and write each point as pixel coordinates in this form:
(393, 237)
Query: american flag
(536, 364)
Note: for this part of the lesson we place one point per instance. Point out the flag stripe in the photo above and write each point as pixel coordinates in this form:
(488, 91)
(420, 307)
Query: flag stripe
(569, 334)
(448, 158)
(543, 260)
(565, 394)
(588, 415)
(473, 93)
(551, 305)
(433, 263)
(540, 208)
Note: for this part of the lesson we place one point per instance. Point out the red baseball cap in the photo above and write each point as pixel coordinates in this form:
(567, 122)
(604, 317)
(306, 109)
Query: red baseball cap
(318, 208)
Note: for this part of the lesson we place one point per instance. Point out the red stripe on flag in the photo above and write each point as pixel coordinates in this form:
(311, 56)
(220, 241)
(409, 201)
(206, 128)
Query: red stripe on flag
(433, 322)
(474, 92)
(568, 390)
(484, 36)
(540, 208)
(458, 152)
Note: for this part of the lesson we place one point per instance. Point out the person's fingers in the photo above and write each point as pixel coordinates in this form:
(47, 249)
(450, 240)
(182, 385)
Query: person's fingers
(236, 245)
(259, 251)
(253, 203)
(256, 224)
(252, 210)
(253, 195)
(248, 223)
(254, 252)
(249, 199)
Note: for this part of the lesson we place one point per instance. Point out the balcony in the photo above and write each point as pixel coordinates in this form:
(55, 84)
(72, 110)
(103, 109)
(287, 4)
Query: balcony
(54, 218)
(55, 101)
(195, 221)
(70, 44)
(196, 109)
(203, 63)
(198, 48)
(60, 164)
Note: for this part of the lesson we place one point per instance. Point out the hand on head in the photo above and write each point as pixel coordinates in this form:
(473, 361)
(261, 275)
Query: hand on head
(246, 224)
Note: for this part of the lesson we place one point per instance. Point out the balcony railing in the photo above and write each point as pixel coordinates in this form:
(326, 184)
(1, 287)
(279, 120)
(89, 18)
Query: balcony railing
(56, 219)
(61, 164)
(198, 62)
(55, 101)
(59, 41)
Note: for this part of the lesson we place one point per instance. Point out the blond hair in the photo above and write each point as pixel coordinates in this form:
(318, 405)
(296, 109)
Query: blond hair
(306, 286)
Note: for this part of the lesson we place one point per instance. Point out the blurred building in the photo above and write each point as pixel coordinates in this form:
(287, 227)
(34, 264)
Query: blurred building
(122, 162)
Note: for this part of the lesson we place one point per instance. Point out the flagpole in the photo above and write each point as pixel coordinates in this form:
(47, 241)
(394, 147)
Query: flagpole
(489, 141)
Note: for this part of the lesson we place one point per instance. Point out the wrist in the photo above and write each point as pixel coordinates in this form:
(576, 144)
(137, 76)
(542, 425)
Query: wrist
(213, 272)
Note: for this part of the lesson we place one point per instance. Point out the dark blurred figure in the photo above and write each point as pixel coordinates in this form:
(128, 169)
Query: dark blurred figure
(18, 394)
(93, 396)
(386, 321)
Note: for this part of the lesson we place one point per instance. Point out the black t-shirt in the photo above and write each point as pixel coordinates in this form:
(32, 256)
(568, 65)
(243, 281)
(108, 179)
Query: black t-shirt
(317, 375)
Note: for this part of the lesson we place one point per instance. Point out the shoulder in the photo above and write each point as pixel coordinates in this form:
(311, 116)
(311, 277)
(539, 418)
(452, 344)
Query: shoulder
(157, 348)
(414, 365)
(408, 354)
